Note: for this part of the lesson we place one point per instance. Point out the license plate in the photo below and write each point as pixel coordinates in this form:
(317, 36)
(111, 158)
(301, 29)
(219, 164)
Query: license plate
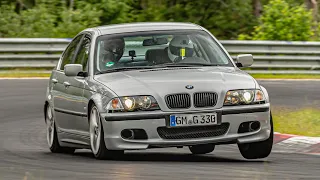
(193, 119)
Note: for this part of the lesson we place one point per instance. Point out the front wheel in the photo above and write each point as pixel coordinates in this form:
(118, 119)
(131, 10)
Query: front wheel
(52, 137)
(260, 149)
(97, 143)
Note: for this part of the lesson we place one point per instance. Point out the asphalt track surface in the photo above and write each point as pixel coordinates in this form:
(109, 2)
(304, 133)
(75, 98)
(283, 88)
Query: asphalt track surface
(24, 153)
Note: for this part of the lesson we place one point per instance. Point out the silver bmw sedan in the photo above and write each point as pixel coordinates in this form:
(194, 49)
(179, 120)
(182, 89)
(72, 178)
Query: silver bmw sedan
(149, 85)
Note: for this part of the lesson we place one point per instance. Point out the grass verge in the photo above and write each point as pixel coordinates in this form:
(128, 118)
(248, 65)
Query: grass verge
(23, 74)
(305, 122)
(286, 76)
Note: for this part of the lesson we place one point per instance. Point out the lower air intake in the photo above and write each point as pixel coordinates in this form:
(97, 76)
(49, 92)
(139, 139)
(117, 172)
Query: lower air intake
(193, 132)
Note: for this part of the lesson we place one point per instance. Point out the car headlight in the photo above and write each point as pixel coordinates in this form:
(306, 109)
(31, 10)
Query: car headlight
(132, 103)
(240, 97)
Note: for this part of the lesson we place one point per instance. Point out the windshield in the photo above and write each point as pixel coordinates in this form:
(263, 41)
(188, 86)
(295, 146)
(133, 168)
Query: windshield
(157, 49)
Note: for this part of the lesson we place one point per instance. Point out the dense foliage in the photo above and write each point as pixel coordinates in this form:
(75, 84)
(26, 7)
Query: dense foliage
(282, 22)
(226, 19)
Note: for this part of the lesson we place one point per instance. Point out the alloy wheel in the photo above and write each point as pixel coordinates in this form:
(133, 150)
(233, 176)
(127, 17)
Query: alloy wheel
(95, 130)
(50, 126)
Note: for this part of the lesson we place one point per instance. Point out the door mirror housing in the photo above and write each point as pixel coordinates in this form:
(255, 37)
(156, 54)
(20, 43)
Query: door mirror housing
(72, 69)
(244, 60)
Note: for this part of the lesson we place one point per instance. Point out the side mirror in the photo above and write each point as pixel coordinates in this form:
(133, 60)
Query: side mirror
(244, 60)
(72, 69)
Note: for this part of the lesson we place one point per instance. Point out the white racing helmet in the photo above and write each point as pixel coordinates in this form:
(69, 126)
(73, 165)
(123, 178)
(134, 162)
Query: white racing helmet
(180, 47)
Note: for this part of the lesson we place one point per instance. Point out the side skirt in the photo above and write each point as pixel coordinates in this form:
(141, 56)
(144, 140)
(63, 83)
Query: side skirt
(73, 139)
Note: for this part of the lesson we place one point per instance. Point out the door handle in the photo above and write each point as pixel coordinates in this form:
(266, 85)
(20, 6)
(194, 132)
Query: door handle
(54, 81)
(66, 84)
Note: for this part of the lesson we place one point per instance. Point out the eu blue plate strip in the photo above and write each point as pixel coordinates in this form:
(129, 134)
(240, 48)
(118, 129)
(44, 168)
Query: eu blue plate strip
(172, 120)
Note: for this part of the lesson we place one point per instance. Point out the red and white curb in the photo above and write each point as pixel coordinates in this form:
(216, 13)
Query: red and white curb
(289, 143)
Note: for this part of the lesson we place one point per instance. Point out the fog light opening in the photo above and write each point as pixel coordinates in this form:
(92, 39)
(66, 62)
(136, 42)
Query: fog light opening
(249, 126)
(127, 134)
(253, 126)
(138, 134)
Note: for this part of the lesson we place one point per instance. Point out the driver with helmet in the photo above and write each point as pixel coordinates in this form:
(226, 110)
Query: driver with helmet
(112, 52)
(180, 47)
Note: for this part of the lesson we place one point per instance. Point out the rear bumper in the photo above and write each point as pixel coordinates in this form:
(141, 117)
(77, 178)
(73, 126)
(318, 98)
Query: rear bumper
(114, 123)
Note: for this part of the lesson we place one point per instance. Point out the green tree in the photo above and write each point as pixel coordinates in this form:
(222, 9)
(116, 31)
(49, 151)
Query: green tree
(225, 19)
(112, 11)
(46, 20)
(280, 21)
(9, 21)
(72, 21)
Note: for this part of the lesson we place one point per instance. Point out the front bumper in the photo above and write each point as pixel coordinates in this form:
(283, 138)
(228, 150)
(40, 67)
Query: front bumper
(114, 123)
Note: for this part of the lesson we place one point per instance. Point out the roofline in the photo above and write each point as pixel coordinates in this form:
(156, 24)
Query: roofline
(155, 22)
(112, 27)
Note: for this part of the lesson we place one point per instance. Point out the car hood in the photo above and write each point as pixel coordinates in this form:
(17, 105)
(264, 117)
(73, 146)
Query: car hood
(161, 82)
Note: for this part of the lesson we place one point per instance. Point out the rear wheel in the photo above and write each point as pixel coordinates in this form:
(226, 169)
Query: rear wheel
(258, 150)
(52, 137)
(202, 149)
(97, 143)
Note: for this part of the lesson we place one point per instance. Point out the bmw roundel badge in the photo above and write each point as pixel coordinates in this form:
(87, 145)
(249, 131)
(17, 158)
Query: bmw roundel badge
(189, 86)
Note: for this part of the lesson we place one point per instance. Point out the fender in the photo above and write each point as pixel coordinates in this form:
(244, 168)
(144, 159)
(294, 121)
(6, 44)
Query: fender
(100, 101)
(265, 92)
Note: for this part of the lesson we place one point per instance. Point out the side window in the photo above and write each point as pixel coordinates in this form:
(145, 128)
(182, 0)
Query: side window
(69, 53)
(83, 53)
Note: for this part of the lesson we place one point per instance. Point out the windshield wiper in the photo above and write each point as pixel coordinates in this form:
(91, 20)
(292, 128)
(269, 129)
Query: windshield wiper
(156, 66)
(124, 69)
(184, 64)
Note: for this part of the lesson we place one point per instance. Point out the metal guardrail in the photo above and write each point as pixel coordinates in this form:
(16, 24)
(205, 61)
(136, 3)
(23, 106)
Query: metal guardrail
(280, 56)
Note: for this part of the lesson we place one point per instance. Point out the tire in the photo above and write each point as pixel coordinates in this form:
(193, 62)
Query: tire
(258, 150)
(52, 136)
(97, 143)
(202, 149)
